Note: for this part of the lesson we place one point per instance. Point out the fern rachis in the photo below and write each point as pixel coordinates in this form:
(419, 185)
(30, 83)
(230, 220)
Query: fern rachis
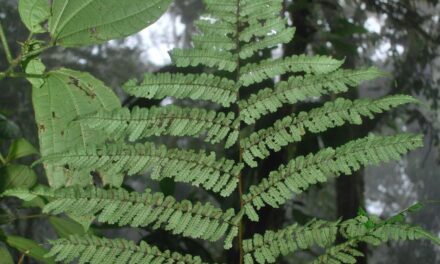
(230, 43)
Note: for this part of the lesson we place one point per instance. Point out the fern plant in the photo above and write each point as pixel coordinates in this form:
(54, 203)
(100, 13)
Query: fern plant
(96, 135)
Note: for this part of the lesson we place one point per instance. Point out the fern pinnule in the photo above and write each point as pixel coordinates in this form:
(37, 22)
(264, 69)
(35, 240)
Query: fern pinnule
(219, 59)
(118, 206)
(263, 29)
(267, 69)
(301, 88)
(272, 39)
(188, 166)
(266, 248)
(302, 172)
(139, 123)
(372, 231)
(292, 128)
(193, 86)
(95, 250)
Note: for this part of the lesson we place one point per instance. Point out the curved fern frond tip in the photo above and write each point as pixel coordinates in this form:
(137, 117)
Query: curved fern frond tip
(193, 86)
(333, 114)
(95, 250)
(302, 172)
(369, 230)
(301, 88)
(188, 166)
(140, 123)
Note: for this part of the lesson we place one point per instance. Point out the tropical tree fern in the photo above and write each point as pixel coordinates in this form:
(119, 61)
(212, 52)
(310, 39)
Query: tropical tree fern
(91, 134)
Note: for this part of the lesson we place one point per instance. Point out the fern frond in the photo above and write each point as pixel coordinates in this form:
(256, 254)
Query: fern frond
(266, 248)
(217, 28)
(194, 86)
(264, 29)
(273, 39)
(215, 6)
(118, 206)
(372, 231)
(302, 172)
(196, 168)
(169, 120)
(221, 60)
(214, 42)
(95, 250)
(300, 88)
(292, 128)
(257, 72)
(222, 11)
(255, 10)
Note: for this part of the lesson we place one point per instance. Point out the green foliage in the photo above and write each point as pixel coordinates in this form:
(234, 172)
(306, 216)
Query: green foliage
(266, 69)
(33, 13)
(74, 23)
(171, 120)
(30, 248)
(84, 131)
(221, 60)
(15, 176)
(371, 231)
(5, 256)
(332, 114)
(20, 148)
(197, 168)
(194, 86)
(301, 88)
(66, 227)
(94, 250)
(299, 174)
(139, 210)
(266, 248)
(81, 94)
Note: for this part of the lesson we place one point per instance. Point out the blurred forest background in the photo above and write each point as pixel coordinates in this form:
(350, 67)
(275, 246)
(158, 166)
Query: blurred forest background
(401, 37)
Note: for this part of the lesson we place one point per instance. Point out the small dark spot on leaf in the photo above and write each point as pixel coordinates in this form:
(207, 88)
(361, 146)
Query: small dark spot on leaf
(41, 127)
(53, 114)
(88, 91)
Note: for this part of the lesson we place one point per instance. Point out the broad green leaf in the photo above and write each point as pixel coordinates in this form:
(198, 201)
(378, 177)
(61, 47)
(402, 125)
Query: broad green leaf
(85, 221)
(37, 202)
(30, 248)
(75, 22)
(5, 257)
(65, 227)
(16, 176)
(33, 13)
(64, 96)
(35, 67)
(20, 148)
(8, 129)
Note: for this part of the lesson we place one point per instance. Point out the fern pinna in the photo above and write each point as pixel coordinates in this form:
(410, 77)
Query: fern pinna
(232, 36)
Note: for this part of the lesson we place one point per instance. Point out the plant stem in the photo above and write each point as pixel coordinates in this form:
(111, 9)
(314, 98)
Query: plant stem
(31, 216)
(5, 45)
(36, 52)
(240, 178)
(2, 159)
(20, 75)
